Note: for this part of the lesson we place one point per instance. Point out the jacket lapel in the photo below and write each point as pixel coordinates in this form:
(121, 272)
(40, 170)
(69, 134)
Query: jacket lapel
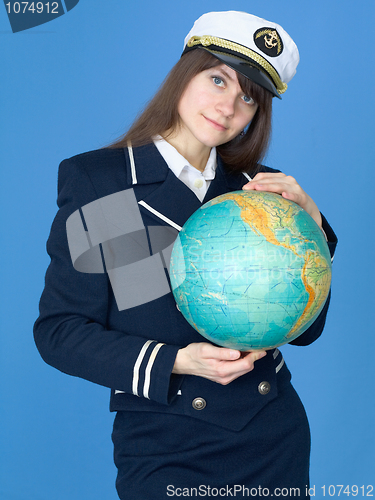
(224, 181)
(163, 196)
(173, 200)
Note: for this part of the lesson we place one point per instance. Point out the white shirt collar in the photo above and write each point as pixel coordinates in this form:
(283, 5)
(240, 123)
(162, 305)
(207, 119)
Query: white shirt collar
(176, 162)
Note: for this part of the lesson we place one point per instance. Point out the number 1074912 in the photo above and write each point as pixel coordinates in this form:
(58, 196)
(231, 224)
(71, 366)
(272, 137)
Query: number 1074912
(32, 7)
(348, 491)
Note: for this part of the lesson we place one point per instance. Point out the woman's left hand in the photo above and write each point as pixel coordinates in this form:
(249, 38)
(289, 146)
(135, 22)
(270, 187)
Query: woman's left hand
(289, 189)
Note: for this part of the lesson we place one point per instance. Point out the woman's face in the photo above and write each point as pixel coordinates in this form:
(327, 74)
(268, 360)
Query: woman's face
(213, 109)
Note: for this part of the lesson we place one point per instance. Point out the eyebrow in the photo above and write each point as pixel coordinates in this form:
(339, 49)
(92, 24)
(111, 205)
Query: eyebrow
(225, 73)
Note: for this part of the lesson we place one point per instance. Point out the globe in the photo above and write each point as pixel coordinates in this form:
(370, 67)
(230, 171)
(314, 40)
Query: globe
(250, 270)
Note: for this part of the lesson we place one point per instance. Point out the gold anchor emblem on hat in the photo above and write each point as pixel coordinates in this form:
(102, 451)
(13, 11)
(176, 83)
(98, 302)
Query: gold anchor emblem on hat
(270, 39)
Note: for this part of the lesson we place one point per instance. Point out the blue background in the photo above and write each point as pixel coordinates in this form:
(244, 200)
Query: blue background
(75, 84)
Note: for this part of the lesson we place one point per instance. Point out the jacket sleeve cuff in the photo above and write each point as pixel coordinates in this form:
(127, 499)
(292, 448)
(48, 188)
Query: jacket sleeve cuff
(156, 380)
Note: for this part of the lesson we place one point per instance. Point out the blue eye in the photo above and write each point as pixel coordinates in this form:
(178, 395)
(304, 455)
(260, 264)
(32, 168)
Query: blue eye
(248, 100)
(218, 81)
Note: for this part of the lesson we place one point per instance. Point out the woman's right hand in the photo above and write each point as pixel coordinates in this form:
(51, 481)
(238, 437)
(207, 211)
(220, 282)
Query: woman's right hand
(219, 364)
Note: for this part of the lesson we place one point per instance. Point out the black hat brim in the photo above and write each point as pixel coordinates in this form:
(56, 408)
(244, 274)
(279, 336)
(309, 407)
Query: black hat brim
(246, 69)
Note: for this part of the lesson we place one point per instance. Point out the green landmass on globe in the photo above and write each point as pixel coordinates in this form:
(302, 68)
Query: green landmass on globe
(250, 270)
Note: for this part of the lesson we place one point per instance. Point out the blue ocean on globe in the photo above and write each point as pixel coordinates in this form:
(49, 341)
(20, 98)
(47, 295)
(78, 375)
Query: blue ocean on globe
(250, 270)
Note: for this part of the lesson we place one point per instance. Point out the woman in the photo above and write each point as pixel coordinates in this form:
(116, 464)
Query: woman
(191, 416)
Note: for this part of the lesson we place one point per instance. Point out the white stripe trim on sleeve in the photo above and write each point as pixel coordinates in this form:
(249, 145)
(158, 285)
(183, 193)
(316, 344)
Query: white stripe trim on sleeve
(149, 366)
(161, 216)
(280, 365)
(132, 163)
(137, 365)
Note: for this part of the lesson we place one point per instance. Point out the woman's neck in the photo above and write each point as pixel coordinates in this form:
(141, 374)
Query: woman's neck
(194, 152)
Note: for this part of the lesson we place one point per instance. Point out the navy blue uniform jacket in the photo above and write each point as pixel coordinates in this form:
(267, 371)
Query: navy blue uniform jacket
(82, 332)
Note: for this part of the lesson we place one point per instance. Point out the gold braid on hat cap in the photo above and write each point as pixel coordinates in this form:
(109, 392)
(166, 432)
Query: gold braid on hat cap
(207, 40)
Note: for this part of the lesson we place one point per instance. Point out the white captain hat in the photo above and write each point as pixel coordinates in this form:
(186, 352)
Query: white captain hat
(258, 49)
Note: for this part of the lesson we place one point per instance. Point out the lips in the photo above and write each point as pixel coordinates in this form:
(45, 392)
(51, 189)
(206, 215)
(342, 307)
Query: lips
(216, 125)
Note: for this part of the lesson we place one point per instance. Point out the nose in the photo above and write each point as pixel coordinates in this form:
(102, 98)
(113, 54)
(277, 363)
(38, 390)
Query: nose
(226, 105)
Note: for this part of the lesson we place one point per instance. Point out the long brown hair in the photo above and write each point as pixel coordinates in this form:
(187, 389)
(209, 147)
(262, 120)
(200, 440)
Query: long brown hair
(243, 153)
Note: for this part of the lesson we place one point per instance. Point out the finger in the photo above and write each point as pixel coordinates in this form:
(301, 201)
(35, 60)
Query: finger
(267, 185)
(248, 186)
(210, 351)
(229, 371)
(268, 175)
(246, 362)
(291, 196)
(255, 355)
(263, 177)
(274, 178)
